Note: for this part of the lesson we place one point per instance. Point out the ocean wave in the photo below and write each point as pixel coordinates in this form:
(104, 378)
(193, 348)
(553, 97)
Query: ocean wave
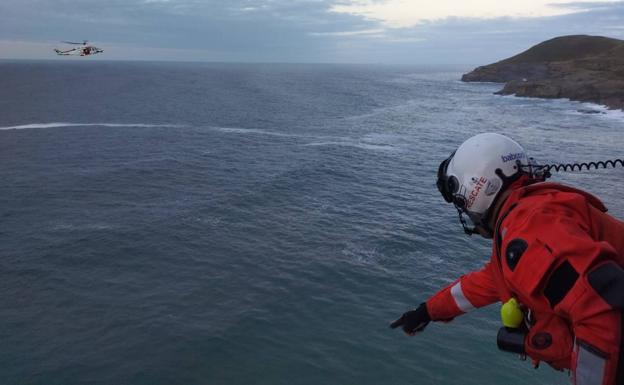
(66, 124)
(600, 110)
(369, 142)
(257, 131)
(578, 108)
(80, 227)
(360, 145)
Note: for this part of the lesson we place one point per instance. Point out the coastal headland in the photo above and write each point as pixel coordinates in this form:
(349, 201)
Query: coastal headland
(578, 67)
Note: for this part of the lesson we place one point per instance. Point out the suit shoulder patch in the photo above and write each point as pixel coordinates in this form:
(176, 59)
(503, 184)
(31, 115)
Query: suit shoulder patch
(608, 281)
(560, 283)
(513, 252)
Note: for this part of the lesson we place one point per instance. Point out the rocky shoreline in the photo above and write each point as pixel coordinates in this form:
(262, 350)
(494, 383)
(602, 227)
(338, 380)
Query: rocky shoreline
(582, 68)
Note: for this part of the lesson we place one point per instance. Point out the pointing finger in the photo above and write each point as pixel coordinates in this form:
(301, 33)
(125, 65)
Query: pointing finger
(397, 323)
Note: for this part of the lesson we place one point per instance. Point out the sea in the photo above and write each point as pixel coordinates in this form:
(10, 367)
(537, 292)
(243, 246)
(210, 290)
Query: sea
(215, 223)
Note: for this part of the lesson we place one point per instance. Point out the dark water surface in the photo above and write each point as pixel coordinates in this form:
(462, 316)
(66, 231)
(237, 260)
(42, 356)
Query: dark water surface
(252, 224)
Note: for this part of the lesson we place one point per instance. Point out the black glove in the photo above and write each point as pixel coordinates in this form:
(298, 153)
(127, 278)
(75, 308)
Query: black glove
(413, 321)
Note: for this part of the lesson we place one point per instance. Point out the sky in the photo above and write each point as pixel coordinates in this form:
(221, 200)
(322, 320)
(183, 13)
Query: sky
(438, 32)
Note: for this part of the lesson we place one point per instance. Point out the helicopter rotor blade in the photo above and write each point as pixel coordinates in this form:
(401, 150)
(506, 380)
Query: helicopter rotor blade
(84, 42)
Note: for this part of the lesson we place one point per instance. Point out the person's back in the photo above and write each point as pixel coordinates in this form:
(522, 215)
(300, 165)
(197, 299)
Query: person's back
(606, 228)
(557, 258)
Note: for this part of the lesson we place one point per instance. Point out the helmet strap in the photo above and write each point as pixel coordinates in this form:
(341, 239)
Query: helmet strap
(467, 230)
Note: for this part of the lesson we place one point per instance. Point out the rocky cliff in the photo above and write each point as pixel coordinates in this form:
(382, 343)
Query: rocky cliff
(579, 67)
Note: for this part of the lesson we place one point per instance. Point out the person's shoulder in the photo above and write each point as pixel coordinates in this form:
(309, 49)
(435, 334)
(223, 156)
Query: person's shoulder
(546, 217)
(547, 205)
(549, 194)
(540, 229)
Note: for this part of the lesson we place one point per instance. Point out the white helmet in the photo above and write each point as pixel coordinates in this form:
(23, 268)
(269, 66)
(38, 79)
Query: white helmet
(472, 177)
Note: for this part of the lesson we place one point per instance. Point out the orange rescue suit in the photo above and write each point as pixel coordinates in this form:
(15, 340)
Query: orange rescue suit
(559, 254)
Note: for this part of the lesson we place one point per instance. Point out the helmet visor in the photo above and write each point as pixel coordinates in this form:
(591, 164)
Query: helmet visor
(447, 186)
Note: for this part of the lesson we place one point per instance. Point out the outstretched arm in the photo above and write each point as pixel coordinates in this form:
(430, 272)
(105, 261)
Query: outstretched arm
(472, 290)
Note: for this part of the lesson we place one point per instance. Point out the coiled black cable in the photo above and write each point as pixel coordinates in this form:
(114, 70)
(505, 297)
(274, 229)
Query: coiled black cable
(580, 166)
(541, 172)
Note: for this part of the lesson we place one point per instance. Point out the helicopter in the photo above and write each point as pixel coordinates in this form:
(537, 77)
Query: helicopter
(85, 50)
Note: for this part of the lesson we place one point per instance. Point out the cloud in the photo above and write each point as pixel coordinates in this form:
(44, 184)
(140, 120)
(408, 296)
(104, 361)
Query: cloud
(237, 28)
(388, 31)
(582, 5)
(407, 13)
(363, 32)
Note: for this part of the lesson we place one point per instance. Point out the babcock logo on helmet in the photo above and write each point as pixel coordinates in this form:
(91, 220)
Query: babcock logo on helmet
(475, 191)
(510, 157)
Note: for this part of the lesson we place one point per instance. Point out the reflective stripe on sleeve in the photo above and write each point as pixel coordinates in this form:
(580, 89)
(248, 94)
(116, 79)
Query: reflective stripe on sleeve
(460, 299)
(590, 365)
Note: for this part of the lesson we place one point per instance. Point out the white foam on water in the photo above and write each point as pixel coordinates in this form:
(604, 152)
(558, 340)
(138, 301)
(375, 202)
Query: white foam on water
(361, 145)
(366, 143)
(81, 227)
(603, 111)
(256, 131)
(580, 108)
(371, 141)
(67, 124)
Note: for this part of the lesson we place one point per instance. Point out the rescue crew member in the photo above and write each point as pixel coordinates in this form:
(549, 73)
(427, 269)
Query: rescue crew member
(555, 252)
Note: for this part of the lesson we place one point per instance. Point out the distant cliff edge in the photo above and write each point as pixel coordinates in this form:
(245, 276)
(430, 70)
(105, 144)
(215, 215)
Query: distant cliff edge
(579, 67)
